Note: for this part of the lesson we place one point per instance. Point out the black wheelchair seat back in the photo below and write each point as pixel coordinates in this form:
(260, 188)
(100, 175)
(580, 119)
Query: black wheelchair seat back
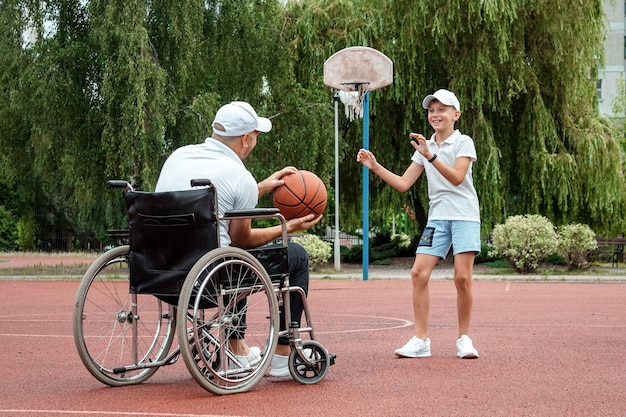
(169, 232)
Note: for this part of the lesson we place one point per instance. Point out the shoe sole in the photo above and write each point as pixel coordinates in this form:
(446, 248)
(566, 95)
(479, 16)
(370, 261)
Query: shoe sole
(469, 356)
(280, 374)
(419, 355)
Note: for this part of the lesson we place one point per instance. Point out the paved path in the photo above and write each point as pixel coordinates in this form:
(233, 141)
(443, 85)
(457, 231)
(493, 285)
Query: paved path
(349, 272)
(447, 273)
(17, 260)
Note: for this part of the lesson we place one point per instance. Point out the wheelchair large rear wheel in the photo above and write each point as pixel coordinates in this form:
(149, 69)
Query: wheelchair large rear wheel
(117, 340)
(226, 293)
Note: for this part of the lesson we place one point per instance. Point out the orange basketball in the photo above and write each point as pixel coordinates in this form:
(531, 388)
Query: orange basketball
(302, 193)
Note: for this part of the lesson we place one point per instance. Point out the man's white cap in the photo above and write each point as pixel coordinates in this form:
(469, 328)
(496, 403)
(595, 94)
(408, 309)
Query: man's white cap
(443, 96)
(238, 118)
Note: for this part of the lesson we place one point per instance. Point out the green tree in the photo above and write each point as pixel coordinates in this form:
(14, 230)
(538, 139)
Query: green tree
(525, 72)
(16, 155)
(132, 90)
(176, 32)
(619, 119)
(110, 88)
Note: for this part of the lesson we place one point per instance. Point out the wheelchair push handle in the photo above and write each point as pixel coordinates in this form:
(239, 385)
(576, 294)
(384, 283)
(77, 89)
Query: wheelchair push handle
(120, 184)
(126, 185)
(200, 182)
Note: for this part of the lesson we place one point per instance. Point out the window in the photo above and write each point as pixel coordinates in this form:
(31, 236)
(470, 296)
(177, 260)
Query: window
(599, 89)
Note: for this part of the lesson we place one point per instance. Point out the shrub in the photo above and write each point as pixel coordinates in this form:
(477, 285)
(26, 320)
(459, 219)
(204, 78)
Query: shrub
(402, 240)
(556, 259)
(390, 247)
(486, 255)
(381, 249)
(26, 240)
(575, 243)
(352, 255)
(8, 230)
(319, 251)
(524, 241)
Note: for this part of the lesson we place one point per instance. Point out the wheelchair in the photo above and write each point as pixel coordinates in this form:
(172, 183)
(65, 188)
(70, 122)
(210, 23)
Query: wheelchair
(173, 278)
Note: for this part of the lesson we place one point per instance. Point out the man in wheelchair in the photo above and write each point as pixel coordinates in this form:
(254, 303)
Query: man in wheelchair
(220, 158)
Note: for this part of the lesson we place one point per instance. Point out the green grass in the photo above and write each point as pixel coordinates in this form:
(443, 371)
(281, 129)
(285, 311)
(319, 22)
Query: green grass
(500, 263)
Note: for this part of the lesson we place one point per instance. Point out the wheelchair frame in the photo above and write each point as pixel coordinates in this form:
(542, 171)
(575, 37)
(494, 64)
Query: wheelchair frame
(124, 336)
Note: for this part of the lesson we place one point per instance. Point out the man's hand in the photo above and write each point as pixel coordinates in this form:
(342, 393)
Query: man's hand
(303, 223)
(275, 180)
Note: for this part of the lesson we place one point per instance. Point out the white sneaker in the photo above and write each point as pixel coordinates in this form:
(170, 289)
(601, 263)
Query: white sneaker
(465, 348)
(251, 359)
(280, 366)
(415, 348)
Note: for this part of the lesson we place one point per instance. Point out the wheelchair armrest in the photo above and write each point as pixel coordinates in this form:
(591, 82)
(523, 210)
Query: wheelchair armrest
(255, 212)
(258, 213)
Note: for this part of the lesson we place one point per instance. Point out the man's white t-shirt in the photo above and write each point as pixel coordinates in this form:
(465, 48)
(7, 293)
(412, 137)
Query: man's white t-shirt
(449, 202)
(235, 185)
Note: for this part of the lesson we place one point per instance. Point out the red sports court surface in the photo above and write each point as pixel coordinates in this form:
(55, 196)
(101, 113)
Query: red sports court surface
(547, 349)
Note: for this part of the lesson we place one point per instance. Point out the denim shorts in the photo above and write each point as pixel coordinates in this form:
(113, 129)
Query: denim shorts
(440, 235)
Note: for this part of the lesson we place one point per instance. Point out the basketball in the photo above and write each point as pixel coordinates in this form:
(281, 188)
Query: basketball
(302, 193)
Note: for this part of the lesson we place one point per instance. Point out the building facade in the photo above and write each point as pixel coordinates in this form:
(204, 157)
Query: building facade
(611, 77)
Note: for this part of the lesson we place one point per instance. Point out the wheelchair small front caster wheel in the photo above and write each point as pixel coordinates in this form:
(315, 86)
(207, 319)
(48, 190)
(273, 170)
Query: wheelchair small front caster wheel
(309, 362)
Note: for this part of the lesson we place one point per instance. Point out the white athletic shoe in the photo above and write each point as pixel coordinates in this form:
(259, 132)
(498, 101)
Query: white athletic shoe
(249, 360)
(465, 348)
(415, 348)
(280, 366)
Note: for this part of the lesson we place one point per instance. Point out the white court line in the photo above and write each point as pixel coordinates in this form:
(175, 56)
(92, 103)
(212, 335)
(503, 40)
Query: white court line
(29, 317)
(403, 323)
(36, 335)
(107, 413)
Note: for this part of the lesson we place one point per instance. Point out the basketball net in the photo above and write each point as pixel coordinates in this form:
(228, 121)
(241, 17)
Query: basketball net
(353, 103)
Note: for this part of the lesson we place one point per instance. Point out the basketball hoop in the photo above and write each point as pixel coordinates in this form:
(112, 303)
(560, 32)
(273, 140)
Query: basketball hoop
(353, 72)
(353, 103)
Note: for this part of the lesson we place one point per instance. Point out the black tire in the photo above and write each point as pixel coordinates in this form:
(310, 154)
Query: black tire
(212, 297)
(110, 337)
(313, 367)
